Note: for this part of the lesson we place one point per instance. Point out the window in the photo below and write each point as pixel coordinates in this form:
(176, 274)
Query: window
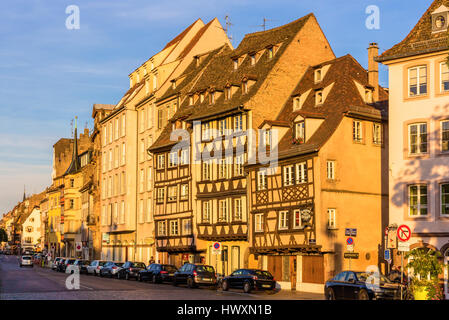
(205, 131)
(123, 154)
(160, 161)
(245, 87)
(238, 210)
(330, 169)
(72, 183)
(110, 159)
(301, 172)
(173, 159)
(174, 228)
(318, 75)
(123, 183)
(223, 172)
(162, 228)
(445, 136)
(332, 222)
(142, 150)
(184, 157)
(238, 166)
(105, 136)
(71, 204)
(141, 210)
(142, 181)
(270, 52)
(103, 160)
(417, 138)
(122, 213)
(300, 131)
(417, 81)
(116, 157)
(160, 195)
(238, 122)
(110, 132)
(184, 192)
(258, 222)
(289, 179)
(267, 137)
(212, 97)
(116, 125)
(357, 131)
(296, 103)
(207, 170)
(319, 97)
(283, 220)
(377, 133)
(417, 197)
(235, 63)
(159, 118)
(444, 76)
(368, 96)
(186, 227)
(223, 210)
(253, 59)
(123, 125)
(227, 93)
(297, 219)
(444, 205)
(206, 211)
(262, 180)
(172, 193)
(222, 126)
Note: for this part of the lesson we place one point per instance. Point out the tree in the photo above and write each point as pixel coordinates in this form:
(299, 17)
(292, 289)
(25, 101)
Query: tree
(3, 235)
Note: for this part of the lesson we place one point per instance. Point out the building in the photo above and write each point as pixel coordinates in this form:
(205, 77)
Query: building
(31, 235)
(331, 176)
(236, 91)
(128, 131)
(419, 131)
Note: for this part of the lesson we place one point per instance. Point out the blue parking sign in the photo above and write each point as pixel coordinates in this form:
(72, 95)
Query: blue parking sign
(387, 254)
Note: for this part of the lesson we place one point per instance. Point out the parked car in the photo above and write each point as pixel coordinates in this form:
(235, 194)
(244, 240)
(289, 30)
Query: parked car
(352, 285)
(56, 262)
(95, 267)
(130, 270)
(158, 273)
(195, 275)
(65, 263)
(110, 269)
(26, 261)
(78, 266)
(248, 280)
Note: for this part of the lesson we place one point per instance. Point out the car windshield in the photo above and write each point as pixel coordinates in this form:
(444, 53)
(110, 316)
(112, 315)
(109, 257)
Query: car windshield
(119, 264)
(102, 263)
(205, 269)
(71, 261)
(363, 276)
(139, 265)
(169, 268)
(26, 258)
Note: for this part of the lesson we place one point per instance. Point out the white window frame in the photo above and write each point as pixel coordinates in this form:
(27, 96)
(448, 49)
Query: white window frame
(301, 173)
(184, 192)
(174, 228)
(419, 206)
(289, 175)
(418, 83)
(441, 136)
(262, 180)
(418, 138)
(259, 222)
(205, 218)
(330, 169)
(162, 228)
(357, 131)
(377, 133)
(206, 170)
(173, 159)
(223, 210)
(160, 161)
(283, 220)
(160, 195)
(238, 209)
(441, 76)
(172, 193)
(441, 200)
(295, 225)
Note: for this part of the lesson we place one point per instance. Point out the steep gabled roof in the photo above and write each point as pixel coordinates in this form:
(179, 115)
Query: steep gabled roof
(343, 99)
(420, 40)
(180, 36)
(221, 72)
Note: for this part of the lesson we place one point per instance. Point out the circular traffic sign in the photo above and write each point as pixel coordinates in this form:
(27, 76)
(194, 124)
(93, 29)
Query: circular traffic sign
(404, 233)
(216, 245)
(350, 241)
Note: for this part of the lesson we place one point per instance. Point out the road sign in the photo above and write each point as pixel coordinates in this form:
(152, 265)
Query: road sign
(216, 248)
(404, 246)
(351, 232)
(350, 248)
(78, 246)
(351, 255)
(392, 239)
(404, 233)
(350, 241)
(387, 254)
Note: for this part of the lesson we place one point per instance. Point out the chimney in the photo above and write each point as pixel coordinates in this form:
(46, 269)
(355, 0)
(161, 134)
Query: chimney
(373, 69)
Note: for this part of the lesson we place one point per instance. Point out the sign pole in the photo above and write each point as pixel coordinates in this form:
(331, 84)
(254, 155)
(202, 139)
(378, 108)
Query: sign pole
(402, 272)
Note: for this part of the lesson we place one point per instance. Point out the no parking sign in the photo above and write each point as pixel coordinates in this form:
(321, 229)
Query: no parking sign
(216, 248)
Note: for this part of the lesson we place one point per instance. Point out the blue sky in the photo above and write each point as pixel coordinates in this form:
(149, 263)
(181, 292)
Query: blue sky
(49, 74)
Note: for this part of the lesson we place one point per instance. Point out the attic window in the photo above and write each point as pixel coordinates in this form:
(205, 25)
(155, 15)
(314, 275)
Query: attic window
(245, 87)
(197, 60)
(440, 19)
(174, 84)
(368, 95)
(228, 93)
(296, 103)
(319, 97)
(212, 97)
(235, 63)
(190, 100)
(201, 97)
(318, 75)
(270, 52)
(253, 59)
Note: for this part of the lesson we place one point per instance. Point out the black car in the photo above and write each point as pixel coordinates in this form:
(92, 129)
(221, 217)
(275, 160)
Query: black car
(195, 275)
(352, 285)
(82, 265)
(158, 273)
(130, 270)
(248, 280)
(110, 269)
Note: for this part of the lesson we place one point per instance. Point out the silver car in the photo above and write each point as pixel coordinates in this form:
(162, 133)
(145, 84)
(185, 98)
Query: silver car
(95, 267)
(26, 261)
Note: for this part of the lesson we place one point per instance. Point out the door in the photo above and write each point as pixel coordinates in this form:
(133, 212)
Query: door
(313, 269)
(275, 267)
(350, 288)
(293, 272)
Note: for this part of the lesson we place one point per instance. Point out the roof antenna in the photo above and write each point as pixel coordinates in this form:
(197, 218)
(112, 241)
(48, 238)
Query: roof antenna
(264, 25)
(228, 25)
(71, 127)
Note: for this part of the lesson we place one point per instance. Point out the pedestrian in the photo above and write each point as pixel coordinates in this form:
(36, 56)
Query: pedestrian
(151, 261)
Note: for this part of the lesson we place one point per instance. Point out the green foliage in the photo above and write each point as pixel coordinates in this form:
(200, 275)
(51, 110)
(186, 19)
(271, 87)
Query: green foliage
(426, 263)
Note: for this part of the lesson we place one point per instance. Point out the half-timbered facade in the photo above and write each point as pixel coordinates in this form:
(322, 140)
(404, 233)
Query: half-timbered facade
(237, 92)
(330, 176)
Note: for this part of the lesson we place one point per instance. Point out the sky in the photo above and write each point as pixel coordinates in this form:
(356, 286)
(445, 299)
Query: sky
(49, 74)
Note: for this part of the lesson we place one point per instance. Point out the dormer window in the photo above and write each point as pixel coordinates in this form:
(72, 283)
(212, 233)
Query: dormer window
(197, 60)
(319, 97)
(368, 95)
(235, 63)
(212, 97)
(270, 52)
(201, 97)
(300, 132)
(190, 100)
(228, 93)
(173, 85)
(253, 59)
(245, 87)
(318, 75)
(296, 103)
(440, 19)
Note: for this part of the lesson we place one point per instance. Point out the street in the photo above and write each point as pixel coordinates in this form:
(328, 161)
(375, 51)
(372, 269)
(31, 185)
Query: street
(41, 283)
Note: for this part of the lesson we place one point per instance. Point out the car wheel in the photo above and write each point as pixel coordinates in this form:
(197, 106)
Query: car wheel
(330, 294)
(118, 275)
(225, 285)
(247, 287)
(190, 283)
(363, 295)
(127, 276)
